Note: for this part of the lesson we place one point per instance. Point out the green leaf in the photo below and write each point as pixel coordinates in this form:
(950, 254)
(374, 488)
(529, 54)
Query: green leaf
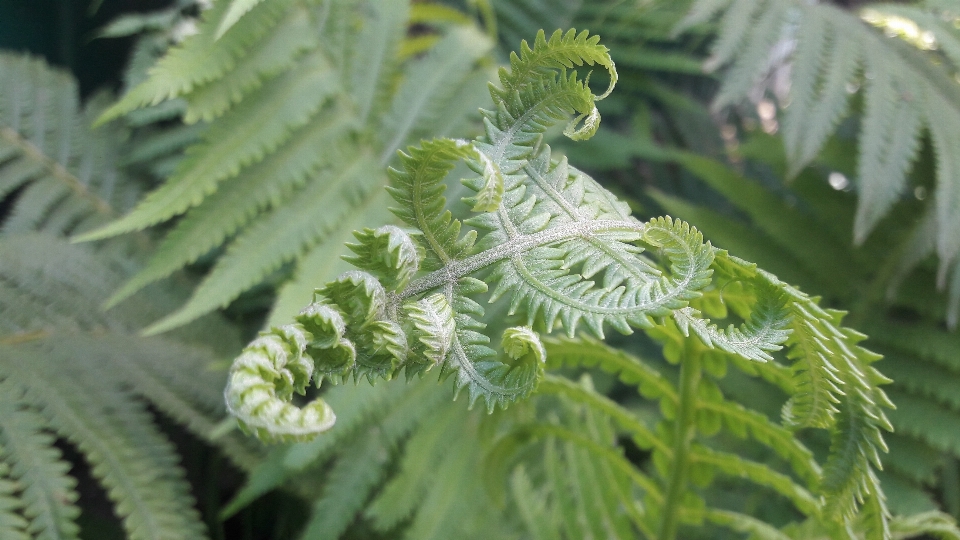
(237, 9)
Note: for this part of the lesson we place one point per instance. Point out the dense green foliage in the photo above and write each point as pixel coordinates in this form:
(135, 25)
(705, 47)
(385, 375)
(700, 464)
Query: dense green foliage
(70, 370)
(264, 132)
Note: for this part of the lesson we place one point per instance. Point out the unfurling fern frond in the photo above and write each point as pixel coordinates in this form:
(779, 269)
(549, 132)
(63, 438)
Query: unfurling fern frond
(908, 90)
(568, 254)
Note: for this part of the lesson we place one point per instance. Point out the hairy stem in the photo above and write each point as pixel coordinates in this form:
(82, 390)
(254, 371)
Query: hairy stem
(515, 246)
(685, 429)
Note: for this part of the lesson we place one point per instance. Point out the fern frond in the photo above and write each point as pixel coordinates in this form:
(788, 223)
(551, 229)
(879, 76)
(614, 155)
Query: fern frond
(532, 506)
(49, 495)
(12, 524)
(825, 63)
(356, 408)
(447, 507)
(828, 355)
(371, 57)
(238, 8)
(276, 239)
(914, 414)
(588, 352)
(902, 87)
(69, 180)
(921, 357)
(641, 434)
(277, 53)
(741, 421)
(349, 484)
(889, 141)
(426, 90)
(403, 493)
(200, 58)
(759, 474)
(808, 240)
(735, 25)
(317, 264)
(285, 79)
(439, 490)
(559, 52)
(128, 454)
(933, 523)
(72, 369)
(223, 213)
(262, 123)
(762, 32)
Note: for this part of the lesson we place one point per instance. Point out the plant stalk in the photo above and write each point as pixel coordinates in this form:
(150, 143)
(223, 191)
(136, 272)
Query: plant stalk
(685, 429)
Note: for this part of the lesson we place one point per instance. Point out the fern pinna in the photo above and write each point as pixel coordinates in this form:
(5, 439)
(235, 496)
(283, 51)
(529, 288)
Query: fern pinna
(568, 254)
(905, 78)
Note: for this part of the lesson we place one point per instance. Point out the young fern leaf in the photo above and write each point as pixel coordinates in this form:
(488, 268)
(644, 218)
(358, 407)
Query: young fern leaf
(563, 248)
(566, 252)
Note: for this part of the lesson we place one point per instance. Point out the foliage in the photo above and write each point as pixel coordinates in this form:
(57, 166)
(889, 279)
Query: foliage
(566, 250)
(907, 92)
(918, 351)
(69, 372)
(654, 435)
(287, 78)
(802, 233)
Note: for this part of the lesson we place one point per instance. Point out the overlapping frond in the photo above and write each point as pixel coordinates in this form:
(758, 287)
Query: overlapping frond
(919, 355)
(70, 373)
(275, 82)
(85, 375)
(905, 81)
(64, 179)
(48, 495)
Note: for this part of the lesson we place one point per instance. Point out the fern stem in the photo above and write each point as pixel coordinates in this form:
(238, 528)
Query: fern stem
(951, 486)
(457, 269)
(874, 291)
(24, 337)
(56, 170)
(684, 431)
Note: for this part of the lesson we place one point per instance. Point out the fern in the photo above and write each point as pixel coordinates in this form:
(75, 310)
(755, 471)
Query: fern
(567, 252)
(275, 81)
(70, 373)
(918, 354)
(68, 182)
(905, 94)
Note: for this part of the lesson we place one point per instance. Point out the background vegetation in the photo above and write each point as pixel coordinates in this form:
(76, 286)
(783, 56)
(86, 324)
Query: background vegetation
(817, 140)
